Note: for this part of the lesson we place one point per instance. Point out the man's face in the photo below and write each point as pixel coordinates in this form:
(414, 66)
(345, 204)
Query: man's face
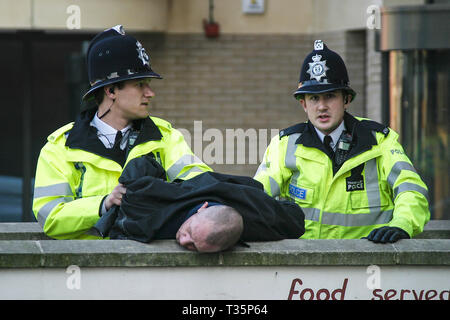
(325, 110)
(132, 102)
(194, 231)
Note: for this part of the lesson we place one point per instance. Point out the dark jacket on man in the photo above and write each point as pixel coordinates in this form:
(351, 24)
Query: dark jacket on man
(152, 206)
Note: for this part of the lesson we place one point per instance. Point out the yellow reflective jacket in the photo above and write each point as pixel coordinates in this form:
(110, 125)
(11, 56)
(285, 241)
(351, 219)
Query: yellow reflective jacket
(75, 172)
(376, 186)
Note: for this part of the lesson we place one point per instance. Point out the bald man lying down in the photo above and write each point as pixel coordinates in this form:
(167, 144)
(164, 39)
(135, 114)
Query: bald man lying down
(208, 213)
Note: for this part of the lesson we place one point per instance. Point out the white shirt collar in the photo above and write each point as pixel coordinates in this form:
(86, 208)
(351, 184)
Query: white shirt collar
(106, 133)
(105, 128)
(334, 135)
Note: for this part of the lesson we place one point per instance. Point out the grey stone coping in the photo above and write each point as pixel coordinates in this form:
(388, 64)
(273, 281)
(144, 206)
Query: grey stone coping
(24, 245)
(21, 231)
(435, 229)
(167, 253)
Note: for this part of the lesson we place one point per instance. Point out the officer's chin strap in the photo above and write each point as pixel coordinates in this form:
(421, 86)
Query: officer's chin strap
(107, 111)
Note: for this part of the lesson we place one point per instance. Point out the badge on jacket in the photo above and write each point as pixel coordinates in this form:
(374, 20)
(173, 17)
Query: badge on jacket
(354, 185)
(356, 180)
(297, 192)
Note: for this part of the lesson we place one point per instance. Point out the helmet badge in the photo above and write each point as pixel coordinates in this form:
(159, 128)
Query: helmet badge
(317, 69)
(119, 29)
(318, 45)
(142, 54)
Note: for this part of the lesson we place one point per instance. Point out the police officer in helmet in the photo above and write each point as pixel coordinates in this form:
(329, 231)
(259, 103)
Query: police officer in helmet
(350, 175)
(78, 168)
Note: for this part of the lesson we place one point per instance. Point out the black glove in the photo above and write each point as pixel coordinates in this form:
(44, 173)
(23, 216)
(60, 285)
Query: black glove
(387, 234)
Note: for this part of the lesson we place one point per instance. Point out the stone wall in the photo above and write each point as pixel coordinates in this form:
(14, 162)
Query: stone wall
(35, 267)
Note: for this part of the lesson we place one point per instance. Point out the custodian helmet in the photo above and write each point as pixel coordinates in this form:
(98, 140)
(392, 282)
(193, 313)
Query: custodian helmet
(323, 70)
(113, 56)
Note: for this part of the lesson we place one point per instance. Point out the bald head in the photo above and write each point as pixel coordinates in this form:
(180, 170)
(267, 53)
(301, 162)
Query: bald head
(211, 229)
(227, 226)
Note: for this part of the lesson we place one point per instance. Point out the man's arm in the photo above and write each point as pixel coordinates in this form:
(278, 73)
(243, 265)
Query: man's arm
(178, 159)
(270, 171)
(410, 194)
(55, 203)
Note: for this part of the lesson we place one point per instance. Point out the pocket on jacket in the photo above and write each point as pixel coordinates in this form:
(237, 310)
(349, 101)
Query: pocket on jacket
(360, 199)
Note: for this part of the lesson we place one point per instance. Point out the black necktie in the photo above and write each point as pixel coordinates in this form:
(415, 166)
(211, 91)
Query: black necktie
(327, 142)
(118, 140)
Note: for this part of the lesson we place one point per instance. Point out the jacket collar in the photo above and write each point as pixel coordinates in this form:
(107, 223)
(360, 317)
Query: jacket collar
(84, 136)
(363, 138)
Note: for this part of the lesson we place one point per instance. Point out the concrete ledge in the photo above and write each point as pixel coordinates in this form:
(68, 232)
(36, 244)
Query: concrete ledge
(22, 231)
(24, 245)
(127, 253)
(435, 229)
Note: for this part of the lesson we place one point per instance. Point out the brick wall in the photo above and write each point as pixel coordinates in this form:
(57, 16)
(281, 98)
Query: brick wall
(239, 82)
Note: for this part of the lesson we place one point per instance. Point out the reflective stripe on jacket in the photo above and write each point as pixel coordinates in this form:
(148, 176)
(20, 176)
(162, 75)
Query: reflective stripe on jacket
(376, 186)
(71, 182)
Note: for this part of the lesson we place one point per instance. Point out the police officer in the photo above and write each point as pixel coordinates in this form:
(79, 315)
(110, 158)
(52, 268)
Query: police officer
(78, 168)
(350, 175)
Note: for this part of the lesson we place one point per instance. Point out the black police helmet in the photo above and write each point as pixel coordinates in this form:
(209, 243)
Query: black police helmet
(112, 57)
(323, 70)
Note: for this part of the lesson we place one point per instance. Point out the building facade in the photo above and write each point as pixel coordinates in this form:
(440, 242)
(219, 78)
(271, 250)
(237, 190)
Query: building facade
(231, 92)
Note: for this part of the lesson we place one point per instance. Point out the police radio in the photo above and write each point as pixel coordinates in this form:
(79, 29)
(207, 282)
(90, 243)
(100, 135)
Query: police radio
(344, 146)
(131, 140)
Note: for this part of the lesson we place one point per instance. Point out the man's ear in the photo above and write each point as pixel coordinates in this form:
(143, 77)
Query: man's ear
(302, 103)
(203, 207)
(347, 100)
(109, 92)
(347, 97)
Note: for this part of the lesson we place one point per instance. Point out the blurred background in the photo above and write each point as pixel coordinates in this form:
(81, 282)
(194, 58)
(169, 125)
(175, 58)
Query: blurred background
(228, 64)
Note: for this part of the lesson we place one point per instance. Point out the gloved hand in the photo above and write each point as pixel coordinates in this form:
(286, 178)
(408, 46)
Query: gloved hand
(387, 234)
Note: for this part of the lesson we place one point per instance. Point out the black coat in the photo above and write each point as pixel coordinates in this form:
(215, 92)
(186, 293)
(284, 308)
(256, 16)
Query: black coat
(151, 203)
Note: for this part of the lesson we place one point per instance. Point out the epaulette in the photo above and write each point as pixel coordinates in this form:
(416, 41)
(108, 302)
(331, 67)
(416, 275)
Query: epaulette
(161, 123)
(375, 126)
(64, 130)
(296, 128)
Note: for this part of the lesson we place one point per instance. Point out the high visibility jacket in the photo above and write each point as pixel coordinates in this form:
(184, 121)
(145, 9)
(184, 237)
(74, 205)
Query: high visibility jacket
(376, 186)
(75, 172)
